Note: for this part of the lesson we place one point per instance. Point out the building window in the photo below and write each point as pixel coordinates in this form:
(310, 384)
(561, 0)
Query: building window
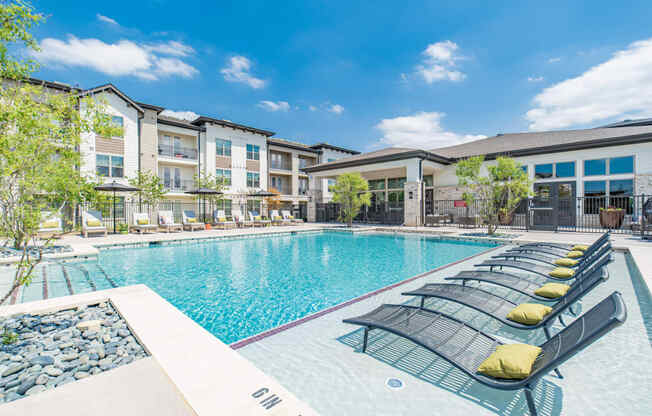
(595, 194)
(565, 170)
(277, 183)
(618, 165)
(224, 175)
(428, 180)
(112, 166)
(377, 184)
(253, 205)
(303, 186)
(225, 205)
(543, 171)
(395, 183)
(118, 121)
(331, 183)
(395, 199)
(253, 180)
(331, 160)
(620, 194)
(223, 147)
(253, 152)
(595, 167)
(278, 161)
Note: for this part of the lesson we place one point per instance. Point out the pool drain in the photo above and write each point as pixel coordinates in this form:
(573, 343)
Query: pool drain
(394, 383)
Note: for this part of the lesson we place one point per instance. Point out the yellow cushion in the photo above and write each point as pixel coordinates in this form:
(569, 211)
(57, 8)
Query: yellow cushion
(566, 262)
(93, 223)
(580, 247)
(221, 220)
(562, 273)
(291, 217)
(258, 218)
(277, 218)
(511, 361)
(50, 224)
(552, 290)
(192, 219)
(143, 221)
(574, 254)
(529, 313)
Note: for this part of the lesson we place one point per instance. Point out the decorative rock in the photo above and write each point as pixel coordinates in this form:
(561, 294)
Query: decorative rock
(89, 325)
(11, 396)
(42, 360)
(53, 371)
(26, 385)
(34, 390)
(95, 370)
(42, 379)
(69, 357)
(64, 345)
(123, 333)
(90, 334)
(14, 369)
(16, 358)
(81, 374)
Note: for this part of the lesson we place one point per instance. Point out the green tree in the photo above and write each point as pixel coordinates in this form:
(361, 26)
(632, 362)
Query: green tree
(498, 192)
(208, 181)
(151, 187)
(40, 134)
(351, 192)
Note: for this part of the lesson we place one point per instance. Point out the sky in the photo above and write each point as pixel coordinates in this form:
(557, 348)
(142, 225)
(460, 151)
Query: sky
(363, 75)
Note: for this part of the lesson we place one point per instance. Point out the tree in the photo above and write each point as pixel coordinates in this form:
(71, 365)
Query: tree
(498, 193)
(273, 202)
(151, 187)
(208, 181)
(351, 192)
(40, 134)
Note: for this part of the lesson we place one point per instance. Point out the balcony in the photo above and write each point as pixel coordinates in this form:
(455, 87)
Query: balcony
(303, 191)
(280, 165)
(181, 185)
(305, 163)
(177, 152)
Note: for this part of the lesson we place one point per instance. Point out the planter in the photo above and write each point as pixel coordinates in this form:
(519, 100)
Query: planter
(208, 226)
(612, 218)
(505, 219)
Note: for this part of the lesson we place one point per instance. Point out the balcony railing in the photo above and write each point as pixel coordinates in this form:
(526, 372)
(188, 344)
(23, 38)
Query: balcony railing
(182, 185)
(177, 152)
(304, 163)
(303, 191)
(280, 166)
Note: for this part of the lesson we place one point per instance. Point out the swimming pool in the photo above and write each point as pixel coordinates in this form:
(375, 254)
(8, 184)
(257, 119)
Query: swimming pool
(236, 288)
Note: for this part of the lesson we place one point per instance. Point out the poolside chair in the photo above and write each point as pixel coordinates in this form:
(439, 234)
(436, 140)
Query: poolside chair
(559, 246)
(547, 271)
(545, 257)
(219, 218)
(92, 222)
(277, 219)
(190, 222)
(466, 347)
(50, 224)
(166, 221)
(257, 220)
(556, 251)
(240, 220)
(286, 216)
(142, 223)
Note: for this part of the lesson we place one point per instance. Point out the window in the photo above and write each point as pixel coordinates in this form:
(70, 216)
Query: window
(595, 196)
(118, 121)
(303, 186)
(595, 167)
(253, 180)
(225, 205)
(331, 160)
(112, 166)
(565, 170)
(620, 194)
(377, 184)
(223, 147)
(618, 165)
(277, 183)
(396, 183)
(428, 180)
(276, 161)
(224, 175)
(331, 182)
(543, 171)
(253, 205)
(253, 152)
(395, 199)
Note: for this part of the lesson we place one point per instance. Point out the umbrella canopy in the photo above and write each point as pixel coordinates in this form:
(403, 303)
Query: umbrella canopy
(262, 193)
(201, 192)
(115, 187)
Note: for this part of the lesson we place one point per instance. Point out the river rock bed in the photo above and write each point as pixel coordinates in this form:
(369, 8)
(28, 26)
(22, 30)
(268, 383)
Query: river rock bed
(54, 349)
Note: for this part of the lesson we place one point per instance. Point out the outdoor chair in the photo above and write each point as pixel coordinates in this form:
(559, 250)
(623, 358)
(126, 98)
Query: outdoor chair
(466, 347)
(277, 219)
(92, 222)
(220, 220)
(190, 222)
(561, 248)
(546, 256)
(257, 220)
(166, 221)
(286, 216)
(51, 224)
(142, 223)
(240, 220)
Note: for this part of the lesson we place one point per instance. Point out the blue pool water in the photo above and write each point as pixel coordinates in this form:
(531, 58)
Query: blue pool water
(240, 287)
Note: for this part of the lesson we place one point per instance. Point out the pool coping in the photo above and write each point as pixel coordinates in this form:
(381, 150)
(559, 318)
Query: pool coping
(284, 327)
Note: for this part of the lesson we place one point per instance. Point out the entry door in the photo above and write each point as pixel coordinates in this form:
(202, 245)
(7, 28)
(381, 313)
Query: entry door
(553, 205)
(565, 194)
(429, 202)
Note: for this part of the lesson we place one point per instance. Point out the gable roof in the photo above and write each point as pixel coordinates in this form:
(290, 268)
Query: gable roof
(378, 156)
(171, 121)
(275, 141)
(202, 119)
(323, 145)
(151, 107)
(115, 90)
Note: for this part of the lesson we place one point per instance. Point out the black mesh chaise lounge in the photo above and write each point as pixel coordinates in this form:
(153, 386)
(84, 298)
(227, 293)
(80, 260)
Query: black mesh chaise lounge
(523, 285)
(555, 251)
(545, 257)
(466, 347)
(543, 269)
(558, 246)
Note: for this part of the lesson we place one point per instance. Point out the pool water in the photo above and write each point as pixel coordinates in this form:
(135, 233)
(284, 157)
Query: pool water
(240, 287)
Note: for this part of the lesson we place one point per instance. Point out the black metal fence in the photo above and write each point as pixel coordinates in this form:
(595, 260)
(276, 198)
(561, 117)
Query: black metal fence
(620, 214)
(378, 214)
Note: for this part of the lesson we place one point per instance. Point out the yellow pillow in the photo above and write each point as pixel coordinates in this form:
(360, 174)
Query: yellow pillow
(143, 221)
(574, 254)
(511, 361)
(552, 290)
(529, 313)
(277, 218)
(221, 219)
(93, 223)
(258, 218)
(562, 273)
(192, 219)
(50, 224)
(291, 217)
(566, 262)
(580, 247)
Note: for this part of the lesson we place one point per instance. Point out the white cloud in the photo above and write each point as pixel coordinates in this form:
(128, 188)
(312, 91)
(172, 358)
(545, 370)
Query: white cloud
(535, 79)
(274, 105)
(422, 130)
(238, 71)
(336, 108)
(124, 58)
(553, 60)
(181, 115)
(439, 63)
(106, 19)
(173, 47)
(312, 108)
(620, 86)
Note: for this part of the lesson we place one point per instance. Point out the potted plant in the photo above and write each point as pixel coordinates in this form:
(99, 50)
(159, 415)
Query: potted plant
(123, 228)
(612, 217)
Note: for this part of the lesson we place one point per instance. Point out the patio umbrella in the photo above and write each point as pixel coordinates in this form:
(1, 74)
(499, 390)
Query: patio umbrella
(262, 194)
(203, 192)
(116, 187)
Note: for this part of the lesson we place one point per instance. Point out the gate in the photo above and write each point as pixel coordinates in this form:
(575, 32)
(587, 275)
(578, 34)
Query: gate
(553, 206)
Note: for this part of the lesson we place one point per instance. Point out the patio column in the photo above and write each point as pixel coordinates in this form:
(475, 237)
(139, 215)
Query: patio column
(412, 194)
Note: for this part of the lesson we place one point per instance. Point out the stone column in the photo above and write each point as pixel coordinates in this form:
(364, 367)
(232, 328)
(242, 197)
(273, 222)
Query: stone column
(412, 203)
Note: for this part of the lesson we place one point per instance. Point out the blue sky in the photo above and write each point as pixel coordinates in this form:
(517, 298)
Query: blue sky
(364, 75)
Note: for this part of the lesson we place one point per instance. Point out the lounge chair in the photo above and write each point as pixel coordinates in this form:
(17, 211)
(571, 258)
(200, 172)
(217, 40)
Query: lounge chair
(556, 251)
(190, 222)
(166, 221)
(466, 347)
(92, 222)
(286, 216)
(257, 220)
(498, 307)
(220, 220)
(277, 219)
(545, 257)
(240, 220)
(524, 285)
(142, 223)
(51, 224)
(542, 269)
(560, 246)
